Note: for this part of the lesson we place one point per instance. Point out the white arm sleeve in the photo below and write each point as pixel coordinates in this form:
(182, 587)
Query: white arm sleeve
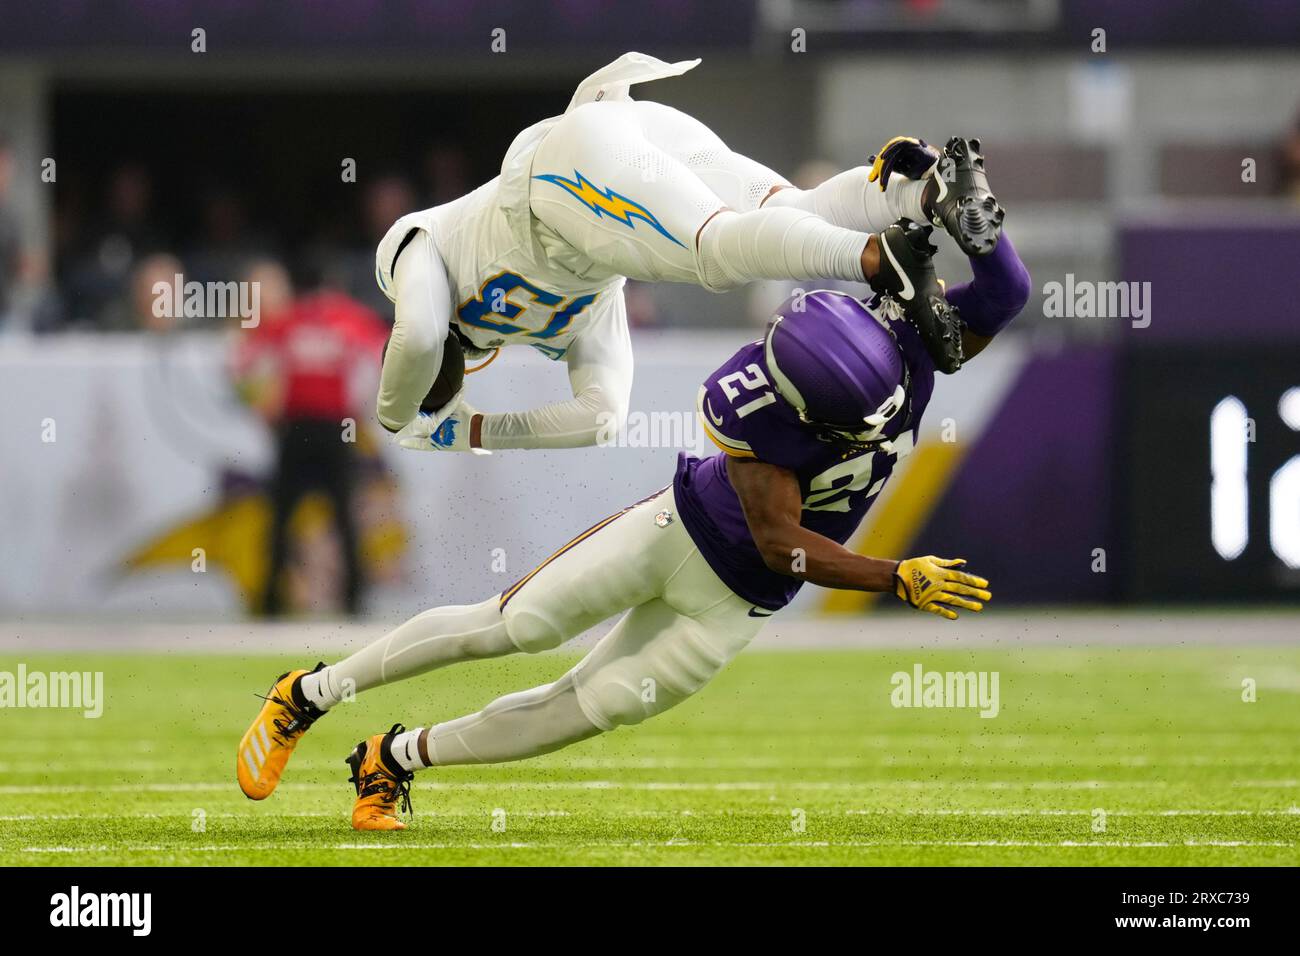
(422, 309)
(600, 373)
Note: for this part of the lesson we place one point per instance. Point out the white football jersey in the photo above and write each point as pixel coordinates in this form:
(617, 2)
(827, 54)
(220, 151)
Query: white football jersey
(505, 292)
(514, 280)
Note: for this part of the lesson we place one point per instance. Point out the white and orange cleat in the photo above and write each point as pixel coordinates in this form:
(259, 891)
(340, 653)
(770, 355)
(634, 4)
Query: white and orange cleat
(268, 743)
(382, 786)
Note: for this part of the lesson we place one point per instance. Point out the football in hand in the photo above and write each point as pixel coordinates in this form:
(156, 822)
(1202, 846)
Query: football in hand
(451, 376)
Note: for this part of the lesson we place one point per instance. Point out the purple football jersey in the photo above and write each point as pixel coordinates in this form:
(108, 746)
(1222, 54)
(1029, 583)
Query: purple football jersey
(745, 417)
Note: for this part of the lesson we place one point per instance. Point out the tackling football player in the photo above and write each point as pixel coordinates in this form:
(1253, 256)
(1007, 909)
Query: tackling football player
(614, 189)
(810, 421)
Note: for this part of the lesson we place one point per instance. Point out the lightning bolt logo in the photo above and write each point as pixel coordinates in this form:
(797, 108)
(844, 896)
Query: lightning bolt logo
(607, 202)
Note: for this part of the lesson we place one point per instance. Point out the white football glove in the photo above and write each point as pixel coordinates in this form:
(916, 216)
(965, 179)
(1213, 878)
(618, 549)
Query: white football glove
(444, 430)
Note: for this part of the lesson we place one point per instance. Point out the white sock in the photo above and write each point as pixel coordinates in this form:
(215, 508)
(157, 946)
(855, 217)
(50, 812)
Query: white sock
(316, 688)
(849, 200)
(406, 750)
(782, 243)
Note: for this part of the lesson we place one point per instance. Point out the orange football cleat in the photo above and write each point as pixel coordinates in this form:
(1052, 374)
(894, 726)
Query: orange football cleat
(269, 741)
(380, 783)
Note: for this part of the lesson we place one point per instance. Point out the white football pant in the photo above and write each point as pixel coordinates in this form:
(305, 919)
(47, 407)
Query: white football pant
(664, 179)
(681, 625)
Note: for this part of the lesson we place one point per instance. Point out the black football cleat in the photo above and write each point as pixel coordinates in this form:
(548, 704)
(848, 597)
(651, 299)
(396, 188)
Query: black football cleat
(906, 275)
(961, 202)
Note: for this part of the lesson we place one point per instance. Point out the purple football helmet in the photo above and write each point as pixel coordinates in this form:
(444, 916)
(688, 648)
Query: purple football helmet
(837, 366)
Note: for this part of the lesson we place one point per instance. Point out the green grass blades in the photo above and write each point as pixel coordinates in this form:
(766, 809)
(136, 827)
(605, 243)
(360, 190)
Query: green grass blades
(1097, 756)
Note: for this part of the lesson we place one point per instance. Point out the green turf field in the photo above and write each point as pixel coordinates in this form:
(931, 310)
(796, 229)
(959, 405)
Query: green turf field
(1159, 740)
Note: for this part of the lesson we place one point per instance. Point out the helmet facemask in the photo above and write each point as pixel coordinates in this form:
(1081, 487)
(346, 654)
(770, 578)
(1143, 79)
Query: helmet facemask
(871, 438)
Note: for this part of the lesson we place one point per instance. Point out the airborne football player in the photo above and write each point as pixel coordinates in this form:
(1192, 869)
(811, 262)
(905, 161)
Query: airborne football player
(617, 188)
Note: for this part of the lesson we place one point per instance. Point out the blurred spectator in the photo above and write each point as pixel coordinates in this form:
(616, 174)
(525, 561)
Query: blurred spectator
(297, 367)
(276, 288)
(383, 201)
(137, 310)
(446, 174)
(226, 243)
(98, 276)
(28, 296)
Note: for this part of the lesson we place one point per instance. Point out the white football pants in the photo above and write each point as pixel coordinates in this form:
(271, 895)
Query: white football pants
(681, 626)
(640, 188)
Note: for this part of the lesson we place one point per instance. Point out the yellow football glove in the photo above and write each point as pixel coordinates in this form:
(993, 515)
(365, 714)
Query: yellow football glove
(931, 584)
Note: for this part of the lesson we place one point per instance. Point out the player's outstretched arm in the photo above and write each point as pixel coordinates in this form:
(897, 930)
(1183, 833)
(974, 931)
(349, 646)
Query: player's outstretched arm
(772, 503)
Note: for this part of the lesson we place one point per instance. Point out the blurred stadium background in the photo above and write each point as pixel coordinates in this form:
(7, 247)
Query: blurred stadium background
(1072, 463)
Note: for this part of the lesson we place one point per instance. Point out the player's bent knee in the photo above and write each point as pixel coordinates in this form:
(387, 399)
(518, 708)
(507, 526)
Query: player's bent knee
(531, 632)
(711, 265)
(633, 689)
(625, 700)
